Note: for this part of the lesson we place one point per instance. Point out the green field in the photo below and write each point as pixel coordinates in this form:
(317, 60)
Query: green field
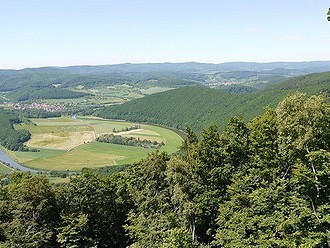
(69, 143)
(154, 90)
(5, 169)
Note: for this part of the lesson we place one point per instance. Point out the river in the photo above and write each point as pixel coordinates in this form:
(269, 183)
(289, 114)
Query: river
(5, 158)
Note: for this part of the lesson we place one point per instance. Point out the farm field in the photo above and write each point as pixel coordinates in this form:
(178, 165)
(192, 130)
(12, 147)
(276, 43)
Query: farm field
(154, 90)
(5, 169)
(69, 143)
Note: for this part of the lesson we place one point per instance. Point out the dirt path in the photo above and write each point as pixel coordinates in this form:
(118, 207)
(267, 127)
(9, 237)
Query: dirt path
(128, 132)
(94, 131)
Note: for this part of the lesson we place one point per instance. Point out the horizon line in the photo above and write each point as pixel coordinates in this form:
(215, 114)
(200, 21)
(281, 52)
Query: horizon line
(166, 62)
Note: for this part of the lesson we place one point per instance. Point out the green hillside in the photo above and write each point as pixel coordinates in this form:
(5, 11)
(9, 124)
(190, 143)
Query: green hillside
(47, 77)
(199, 107)
(43, 93)
(310, 83)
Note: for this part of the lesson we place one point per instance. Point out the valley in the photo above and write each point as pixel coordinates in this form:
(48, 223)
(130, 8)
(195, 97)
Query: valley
(90, 98)
(68, 143)
(62, 108)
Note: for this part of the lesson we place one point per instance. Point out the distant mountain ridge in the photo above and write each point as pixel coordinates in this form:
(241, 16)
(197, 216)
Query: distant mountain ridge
(191, 67)
(231, 77)
(195, 67)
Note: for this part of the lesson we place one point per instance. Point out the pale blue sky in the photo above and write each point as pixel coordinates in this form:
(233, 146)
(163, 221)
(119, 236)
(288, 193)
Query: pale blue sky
(74, 32)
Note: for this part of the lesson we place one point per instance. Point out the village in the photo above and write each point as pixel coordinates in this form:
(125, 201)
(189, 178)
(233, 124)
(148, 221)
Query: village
(42, 106)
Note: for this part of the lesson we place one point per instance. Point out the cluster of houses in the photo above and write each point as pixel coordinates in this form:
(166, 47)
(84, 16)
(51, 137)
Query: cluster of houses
(43, 106)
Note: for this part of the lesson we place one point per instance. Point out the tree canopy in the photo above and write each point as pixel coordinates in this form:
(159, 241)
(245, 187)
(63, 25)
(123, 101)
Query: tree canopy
(11, 138)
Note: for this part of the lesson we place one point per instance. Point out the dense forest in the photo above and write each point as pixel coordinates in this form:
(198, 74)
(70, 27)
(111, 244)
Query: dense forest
(198, 107)
(264, 183)
(9, 137)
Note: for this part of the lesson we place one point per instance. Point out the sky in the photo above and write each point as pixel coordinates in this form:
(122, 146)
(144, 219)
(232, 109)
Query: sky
(36, 33)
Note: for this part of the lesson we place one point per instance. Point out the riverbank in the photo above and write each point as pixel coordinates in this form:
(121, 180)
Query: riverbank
(4, 158)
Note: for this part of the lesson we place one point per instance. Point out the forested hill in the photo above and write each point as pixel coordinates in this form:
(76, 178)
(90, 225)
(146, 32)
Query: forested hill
(43, 93)
(198, 107)
(310, 83)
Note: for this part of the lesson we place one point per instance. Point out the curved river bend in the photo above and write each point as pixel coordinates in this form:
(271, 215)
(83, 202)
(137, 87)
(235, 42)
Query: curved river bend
(5, 158)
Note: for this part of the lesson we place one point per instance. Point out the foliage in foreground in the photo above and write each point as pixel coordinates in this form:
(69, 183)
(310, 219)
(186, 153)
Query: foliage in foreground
(261, 184)
(90, 211)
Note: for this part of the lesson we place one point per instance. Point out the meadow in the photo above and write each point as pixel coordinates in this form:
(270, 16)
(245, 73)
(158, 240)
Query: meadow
(4, 169)
(67, 143)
